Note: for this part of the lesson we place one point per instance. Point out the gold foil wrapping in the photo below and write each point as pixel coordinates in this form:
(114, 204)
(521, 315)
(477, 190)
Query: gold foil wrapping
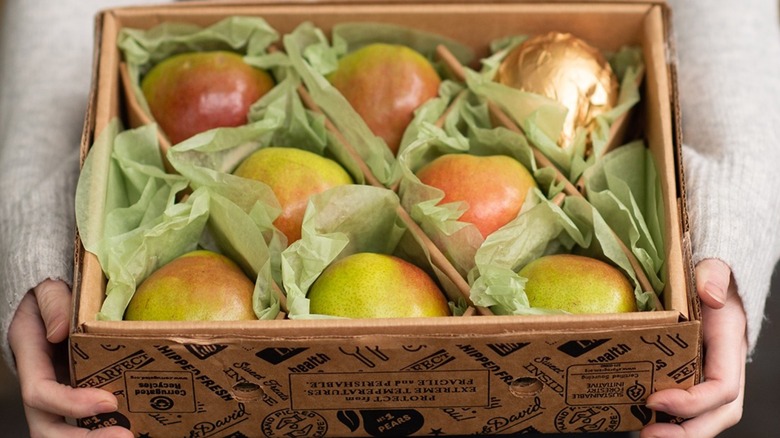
(566, 69)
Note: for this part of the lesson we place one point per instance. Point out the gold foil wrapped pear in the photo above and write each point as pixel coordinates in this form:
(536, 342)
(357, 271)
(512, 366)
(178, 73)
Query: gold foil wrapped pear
(564, 68)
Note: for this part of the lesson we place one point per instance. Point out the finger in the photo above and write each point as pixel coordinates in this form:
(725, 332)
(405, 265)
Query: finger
(49, 425)
(40, 389)
(709, 424)
(54, 302)
(723, 330)
(712, 281)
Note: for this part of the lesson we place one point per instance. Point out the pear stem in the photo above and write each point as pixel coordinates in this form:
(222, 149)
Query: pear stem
(498, 114)
(437, 257)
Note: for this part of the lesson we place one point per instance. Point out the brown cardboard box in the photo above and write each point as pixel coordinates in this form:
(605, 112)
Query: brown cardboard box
(477, 374)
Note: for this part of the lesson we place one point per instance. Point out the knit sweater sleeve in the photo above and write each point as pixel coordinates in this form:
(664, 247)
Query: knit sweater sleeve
(43, 96)
(46, 58)
(729, 78)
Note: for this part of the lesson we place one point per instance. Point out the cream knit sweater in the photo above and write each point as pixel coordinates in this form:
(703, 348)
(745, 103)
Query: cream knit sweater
(729, 61)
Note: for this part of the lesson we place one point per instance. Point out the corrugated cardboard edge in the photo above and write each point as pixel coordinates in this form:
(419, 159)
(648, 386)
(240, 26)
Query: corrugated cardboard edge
(87, 138)
(694, 310)
(347, 2)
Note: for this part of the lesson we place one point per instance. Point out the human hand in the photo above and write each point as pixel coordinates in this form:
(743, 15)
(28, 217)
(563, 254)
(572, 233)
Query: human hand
(715, 404)
(40, 322)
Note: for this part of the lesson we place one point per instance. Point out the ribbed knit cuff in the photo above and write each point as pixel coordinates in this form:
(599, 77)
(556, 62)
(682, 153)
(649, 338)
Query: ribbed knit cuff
(726, 211)
(37, 235)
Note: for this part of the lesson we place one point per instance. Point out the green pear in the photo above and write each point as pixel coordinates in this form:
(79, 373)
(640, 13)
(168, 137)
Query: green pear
(193, 92)
(577, 284)
(385, 84)
(371, 285)
(494, 187)
(197, 286)
(294, 175)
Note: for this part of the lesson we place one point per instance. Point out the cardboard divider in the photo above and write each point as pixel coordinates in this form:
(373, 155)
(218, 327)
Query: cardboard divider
(658, 94)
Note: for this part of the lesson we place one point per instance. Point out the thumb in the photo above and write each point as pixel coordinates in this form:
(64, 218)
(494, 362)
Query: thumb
(712, 282)
(53, 298)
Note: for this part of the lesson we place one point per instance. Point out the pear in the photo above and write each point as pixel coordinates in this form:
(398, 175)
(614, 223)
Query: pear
(193, 92)
(494, 187)
(294, 175)
(577, 284)
(197, 286)
(385, 84)
(371, 285)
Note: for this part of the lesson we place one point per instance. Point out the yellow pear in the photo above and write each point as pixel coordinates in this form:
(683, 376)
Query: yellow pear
(577, 284)
(370, 285)
(294, 175)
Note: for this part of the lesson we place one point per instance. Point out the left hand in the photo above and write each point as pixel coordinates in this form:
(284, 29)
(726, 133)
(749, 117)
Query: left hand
(715, 404)
(40, 323)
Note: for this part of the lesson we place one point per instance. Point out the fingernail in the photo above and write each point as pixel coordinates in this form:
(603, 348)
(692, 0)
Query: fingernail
(654, 406)
(105, 406)
(715, 291)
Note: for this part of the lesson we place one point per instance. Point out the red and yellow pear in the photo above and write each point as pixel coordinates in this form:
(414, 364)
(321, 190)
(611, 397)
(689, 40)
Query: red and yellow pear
(197, 286)
(193, 92)
(494, 187)
(385, 84)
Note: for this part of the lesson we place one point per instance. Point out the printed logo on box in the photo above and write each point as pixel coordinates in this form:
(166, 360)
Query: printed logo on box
(215, 426)
(431, 361)
(100, 421)
(383, 422)
(160, 391)
(587, 419)
(578, 348)
(609, 383)
(505, 349)
(684, 371)
(524, 410)
(275, 356)
(204, 352)
(113, 372)
(289, 422)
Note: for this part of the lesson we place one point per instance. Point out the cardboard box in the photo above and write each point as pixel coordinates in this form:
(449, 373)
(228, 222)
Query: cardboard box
(467, 375)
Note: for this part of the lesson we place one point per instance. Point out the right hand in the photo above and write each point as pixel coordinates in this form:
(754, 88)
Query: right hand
(715, 404)
(41, 322)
